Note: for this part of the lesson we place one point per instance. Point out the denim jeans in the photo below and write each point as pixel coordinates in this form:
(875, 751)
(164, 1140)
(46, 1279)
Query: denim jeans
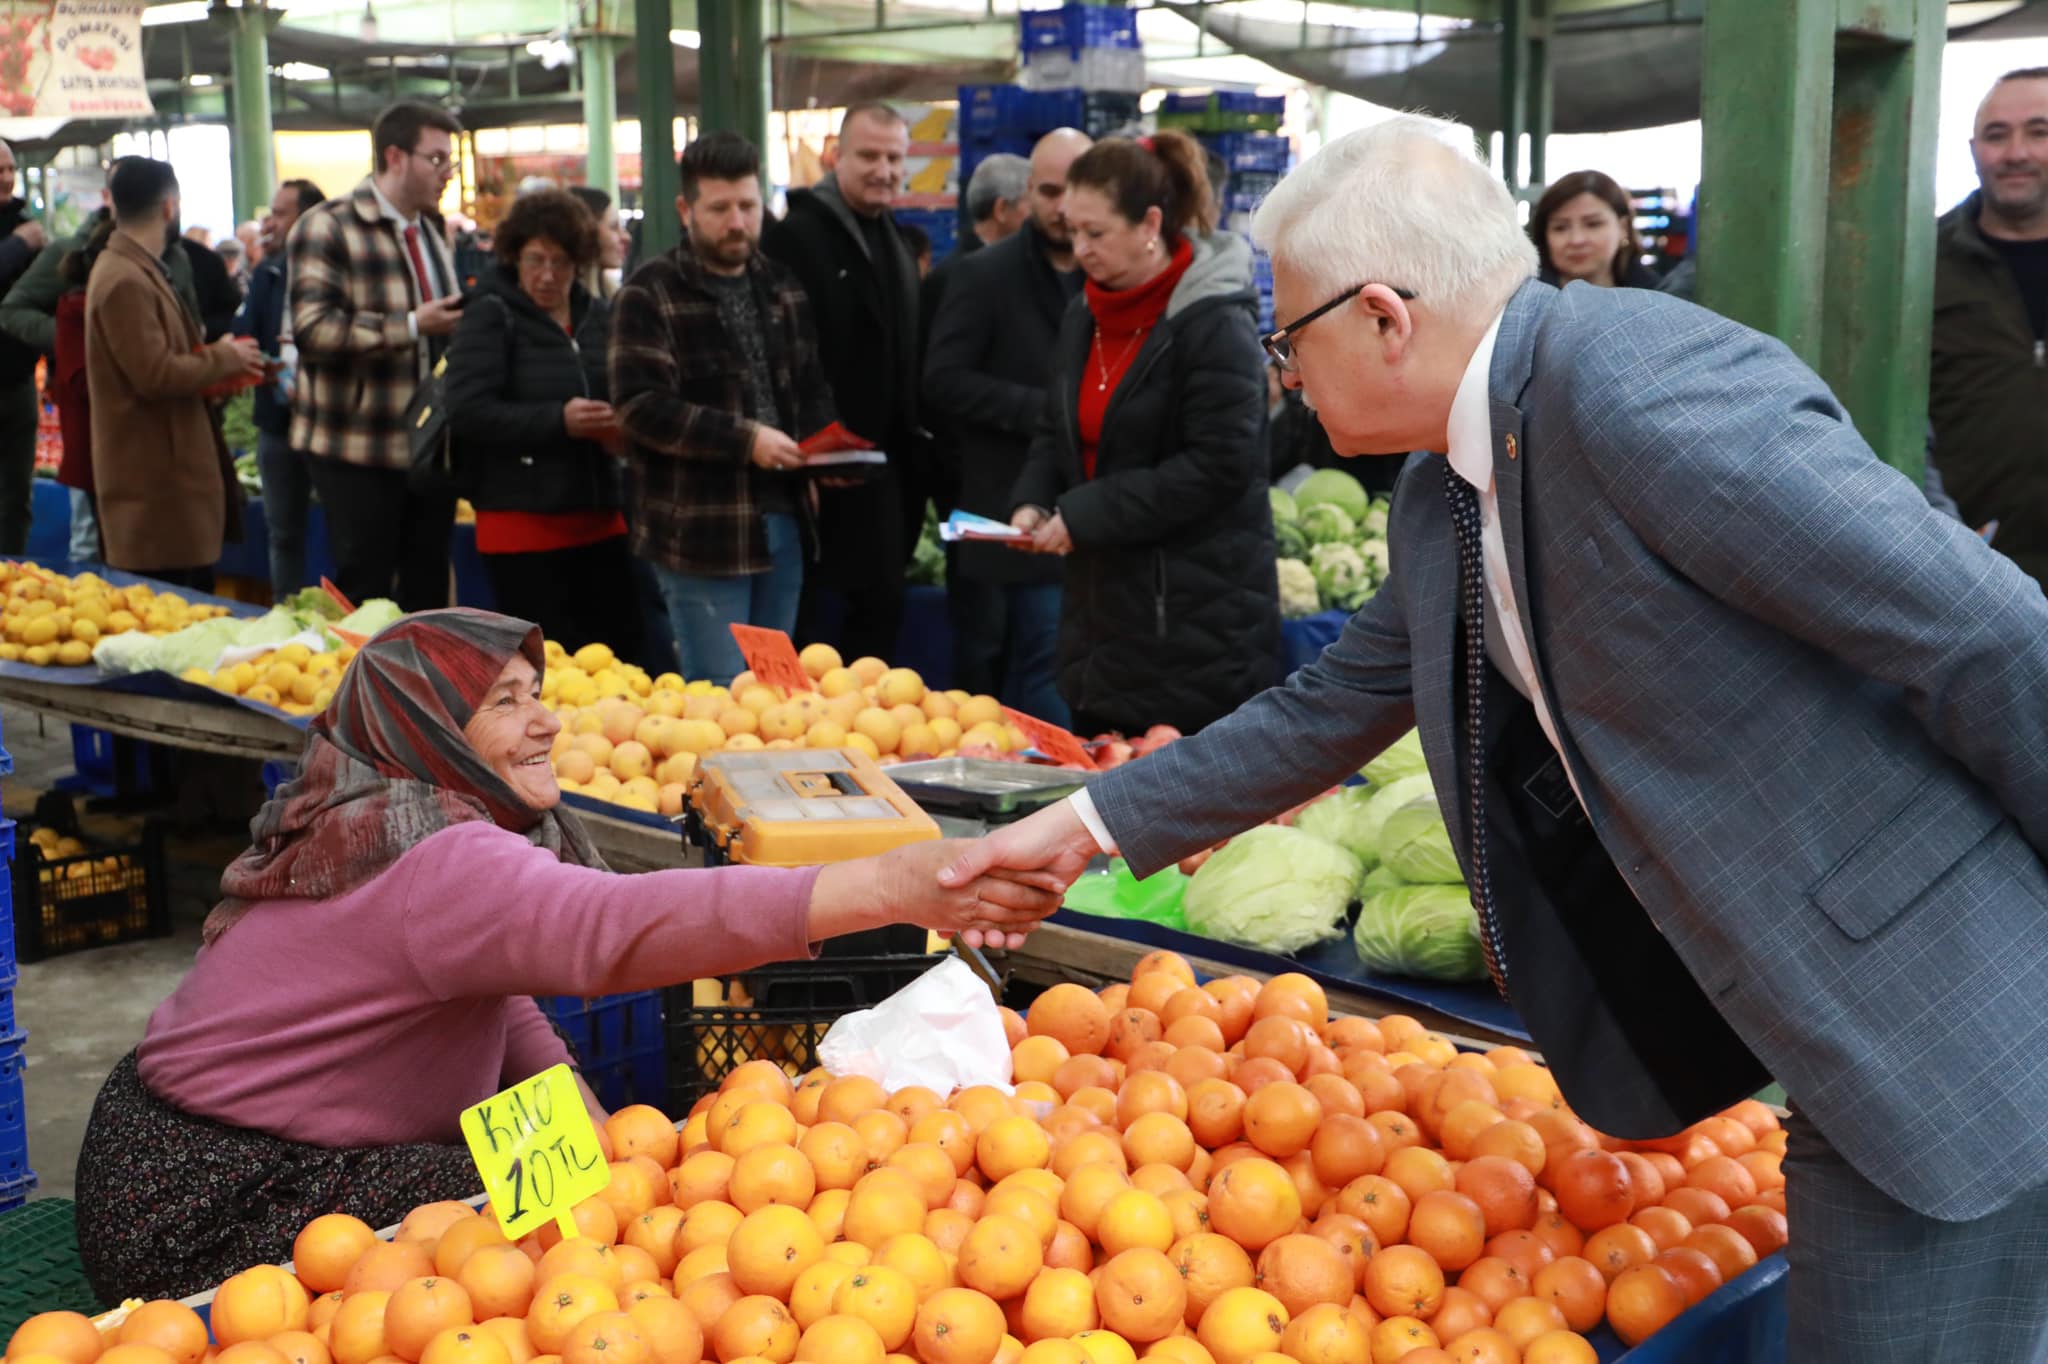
(84, 547)
(287, 489)
(1005, 639)
(702, 608)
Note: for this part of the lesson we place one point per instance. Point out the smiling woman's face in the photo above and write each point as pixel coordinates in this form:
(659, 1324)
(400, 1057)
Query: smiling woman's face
(512, 732)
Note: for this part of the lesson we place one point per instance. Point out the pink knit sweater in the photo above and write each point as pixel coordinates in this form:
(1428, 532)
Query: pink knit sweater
(375, 1017)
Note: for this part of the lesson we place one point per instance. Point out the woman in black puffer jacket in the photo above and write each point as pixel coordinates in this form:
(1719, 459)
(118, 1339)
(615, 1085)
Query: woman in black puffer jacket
(1149, 469)
(535, 438)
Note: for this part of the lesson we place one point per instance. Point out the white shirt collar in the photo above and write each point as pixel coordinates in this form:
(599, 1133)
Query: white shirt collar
(389, 209)
(1470, 430)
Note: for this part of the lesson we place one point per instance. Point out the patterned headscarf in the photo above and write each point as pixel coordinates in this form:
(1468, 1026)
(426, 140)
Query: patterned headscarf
(386, 765)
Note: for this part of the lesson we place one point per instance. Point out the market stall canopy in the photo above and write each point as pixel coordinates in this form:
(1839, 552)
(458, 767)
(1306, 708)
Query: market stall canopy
(1628, 66)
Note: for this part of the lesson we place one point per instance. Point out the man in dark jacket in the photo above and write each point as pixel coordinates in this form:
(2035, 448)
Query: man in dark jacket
(841, 242)
(715, 375)
(988, 366)
(1988, 395)
(20, 406)
(287, 486)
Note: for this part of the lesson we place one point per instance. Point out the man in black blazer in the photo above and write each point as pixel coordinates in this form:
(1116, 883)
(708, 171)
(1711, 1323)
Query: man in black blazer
(986, 371)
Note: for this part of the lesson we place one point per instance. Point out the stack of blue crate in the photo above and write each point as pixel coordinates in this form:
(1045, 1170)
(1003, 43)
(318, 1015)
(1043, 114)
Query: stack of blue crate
(1241, 131)
(16, 1179)
(618, 1043)
(1011, 118)
(1081, 47)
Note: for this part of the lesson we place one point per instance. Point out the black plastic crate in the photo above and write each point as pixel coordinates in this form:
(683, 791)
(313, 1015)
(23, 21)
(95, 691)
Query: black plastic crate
(112, 893)
(777, 1013)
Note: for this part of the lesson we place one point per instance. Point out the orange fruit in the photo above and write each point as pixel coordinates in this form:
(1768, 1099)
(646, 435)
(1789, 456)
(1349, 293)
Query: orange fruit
(258, 1303)
(1449, 1226)
(427, 1221)
(458, 1243)
(959, 1325)
(1641, 1301)
(638, 1130)
(1617, 1247)
(918, 1260)
(1344, 1147)
(303, 1347)
(1378, 1202)
(499, 1280)
(1667, 1226)
(1403, 1340)
(1010, 1144)
(704, 1176)
(1160, 1139)
(1281, 1118)
(1028, 1205)
(509, 1332)
(1072, 1015)
(1349, 1237)
(759, 1123)
(756, 1326)
(1524, 1319)
(607, 1338)
(1695, 1274)
(1764, 1228)
(581, 1255)
(849, 1096)
(913, 1102)
(1150, 1091)
(1419, 1170)
(1404, 1280)
(383, 1266)
(654, 1232)
(321, 1313)
(1242, 1323)
(465, 1345)
(1577, 1287)
(1053, 1350)
(1058, 1304)
(840, 1340)
(708, 1299)
(65, 1335)
(1560, 1347)
(1463, 1311)
(1698, 1206)
(1593, 1189)
(1134, 1218)
(559, 1304)
(1215, 1112)
(810, 1297)
(1131, 1028)
(837, 1157)
(1728, 1248)
(885, 1203)
(597, 1219)
(1725, 1176)
(248, 1352)
(1302, 1270)
(771, 1247)
(947, 1229)
(1000, 1257)
(775, 1173)
(1497, 1282)
(1140, 1296)
(670, 1329)
(950, 1132)
(356, 1335)
(1325, 1334)
(881, 1134)
(1253, 1201)
(1503, 1188)
(1293, 995)
(763, 1078)
(1282, 1040)
(420, 1310)
(327, 1248)
(1210, 1265)
(170, 1326)
(884, 1298)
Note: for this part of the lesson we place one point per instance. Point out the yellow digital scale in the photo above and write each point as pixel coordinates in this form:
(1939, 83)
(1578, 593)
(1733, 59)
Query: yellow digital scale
(799, 807)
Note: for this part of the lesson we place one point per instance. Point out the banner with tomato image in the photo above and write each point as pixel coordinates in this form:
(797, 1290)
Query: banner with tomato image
(72, 59)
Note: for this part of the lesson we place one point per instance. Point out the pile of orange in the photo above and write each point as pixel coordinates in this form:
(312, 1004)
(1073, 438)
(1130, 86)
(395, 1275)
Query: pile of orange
(1219, 1174)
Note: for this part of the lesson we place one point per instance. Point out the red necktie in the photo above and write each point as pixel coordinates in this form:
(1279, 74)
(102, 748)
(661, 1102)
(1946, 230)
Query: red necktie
(419, 263)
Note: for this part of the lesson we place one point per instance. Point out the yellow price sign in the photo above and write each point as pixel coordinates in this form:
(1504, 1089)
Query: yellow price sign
(537, 1150)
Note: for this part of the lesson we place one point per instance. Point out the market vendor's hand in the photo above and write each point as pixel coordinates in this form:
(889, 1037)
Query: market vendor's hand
(1052, 537)
(588, 419)
(997, 909)
(1053, 844)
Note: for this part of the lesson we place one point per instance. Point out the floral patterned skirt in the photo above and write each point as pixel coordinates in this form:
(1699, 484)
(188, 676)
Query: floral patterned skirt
(169, 1204)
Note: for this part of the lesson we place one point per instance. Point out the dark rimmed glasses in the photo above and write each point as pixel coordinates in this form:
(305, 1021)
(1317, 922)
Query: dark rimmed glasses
(1280, 344)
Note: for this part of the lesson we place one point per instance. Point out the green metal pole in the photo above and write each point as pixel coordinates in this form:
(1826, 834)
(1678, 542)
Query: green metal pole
(752, 77)
(716, 95)
(1542, 94)
(654, 71)
(1881, 214)
(1765, 99)
(1514, 88)
(251, 163)
(598, 55)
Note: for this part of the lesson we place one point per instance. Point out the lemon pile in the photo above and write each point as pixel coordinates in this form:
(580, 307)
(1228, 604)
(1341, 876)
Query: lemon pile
(635, 740)
(56, 847)
(47, 619)
(292, 678)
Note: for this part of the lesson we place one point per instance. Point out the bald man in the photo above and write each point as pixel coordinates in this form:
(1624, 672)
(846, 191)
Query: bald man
(19, 406)
(986, 374)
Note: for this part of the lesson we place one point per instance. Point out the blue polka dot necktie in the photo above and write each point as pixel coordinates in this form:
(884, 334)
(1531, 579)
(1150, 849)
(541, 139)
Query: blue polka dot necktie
(1464, 504)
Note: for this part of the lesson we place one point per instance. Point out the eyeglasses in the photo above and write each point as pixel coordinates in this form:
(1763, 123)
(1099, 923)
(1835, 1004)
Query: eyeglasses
(546, 265)
(1280, 344)
(438, 160)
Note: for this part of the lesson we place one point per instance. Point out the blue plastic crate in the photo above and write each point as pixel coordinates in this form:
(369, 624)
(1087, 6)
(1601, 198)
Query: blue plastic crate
(1075, 28)
(640, 1077)
(15, 1192)
(609, 1029)
(988, 111)
(7, 991)
(14, 1170)
(106, 766)
(1251, 151)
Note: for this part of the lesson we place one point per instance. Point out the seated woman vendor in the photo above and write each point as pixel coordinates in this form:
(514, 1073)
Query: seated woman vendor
(370, 971)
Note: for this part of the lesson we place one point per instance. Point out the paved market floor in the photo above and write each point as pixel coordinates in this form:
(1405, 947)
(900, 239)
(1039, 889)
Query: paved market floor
(86, 1010)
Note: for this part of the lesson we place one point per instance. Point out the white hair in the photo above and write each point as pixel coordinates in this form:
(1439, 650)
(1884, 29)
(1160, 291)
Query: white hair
(1406, 203)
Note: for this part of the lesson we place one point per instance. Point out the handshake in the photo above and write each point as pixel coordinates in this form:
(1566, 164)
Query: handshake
(990, 892)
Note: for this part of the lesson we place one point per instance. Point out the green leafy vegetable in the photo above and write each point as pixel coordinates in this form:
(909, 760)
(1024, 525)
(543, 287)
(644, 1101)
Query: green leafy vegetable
(1333, 487)
(1427, 931)
(1402, 758)
(1416, 846)
(1284, 508)
(1384, 801)
(1274, 888)
(1328, 525)
(1339, 818)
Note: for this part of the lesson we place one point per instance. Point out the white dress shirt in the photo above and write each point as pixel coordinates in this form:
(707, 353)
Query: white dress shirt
(391, 214)
(1470, 433)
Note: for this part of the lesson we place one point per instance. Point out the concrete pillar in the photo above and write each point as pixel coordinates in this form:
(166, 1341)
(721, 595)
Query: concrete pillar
(752, 73)
(597, 54)
(252, 163)
(654, 70)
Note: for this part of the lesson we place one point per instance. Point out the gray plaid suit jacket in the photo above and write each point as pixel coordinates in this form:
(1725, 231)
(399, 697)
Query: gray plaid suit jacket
(1808, 716)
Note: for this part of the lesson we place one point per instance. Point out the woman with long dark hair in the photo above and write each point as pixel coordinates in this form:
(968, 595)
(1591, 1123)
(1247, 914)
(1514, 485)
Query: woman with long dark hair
(1148, 473)
(1584, 228)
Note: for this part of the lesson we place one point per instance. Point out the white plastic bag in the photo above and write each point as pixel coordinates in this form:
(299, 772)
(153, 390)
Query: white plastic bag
(941, 1031)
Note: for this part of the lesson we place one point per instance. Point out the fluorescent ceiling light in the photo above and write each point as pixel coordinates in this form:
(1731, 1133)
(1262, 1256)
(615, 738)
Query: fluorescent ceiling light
(183, 12)
(685, 37)
(303, 71)
(201, 79)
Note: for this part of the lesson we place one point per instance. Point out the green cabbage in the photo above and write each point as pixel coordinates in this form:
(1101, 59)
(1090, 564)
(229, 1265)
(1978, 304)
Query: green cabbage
(1290, 540)
(1328, 525)
(1273, 888)
(1401, 758)
(312, 604)
(1384, 801)
(1339, 818)
(1333, 487)
(1379, 878)
(195, 646)
(1299, 595)
(1416, 846)
(372, 616)
(1428, 931)
(1284, 508)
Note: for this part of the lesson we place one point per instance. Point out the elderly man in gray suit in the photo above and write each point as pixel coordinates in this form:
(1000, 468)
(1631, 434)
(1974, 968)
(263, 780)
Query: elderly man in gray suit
(1741, 745)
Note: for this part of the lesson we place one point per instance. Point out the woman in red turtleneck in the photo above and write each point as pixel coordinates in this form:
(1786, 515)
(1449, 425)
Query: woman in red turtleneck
(1147, 473)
